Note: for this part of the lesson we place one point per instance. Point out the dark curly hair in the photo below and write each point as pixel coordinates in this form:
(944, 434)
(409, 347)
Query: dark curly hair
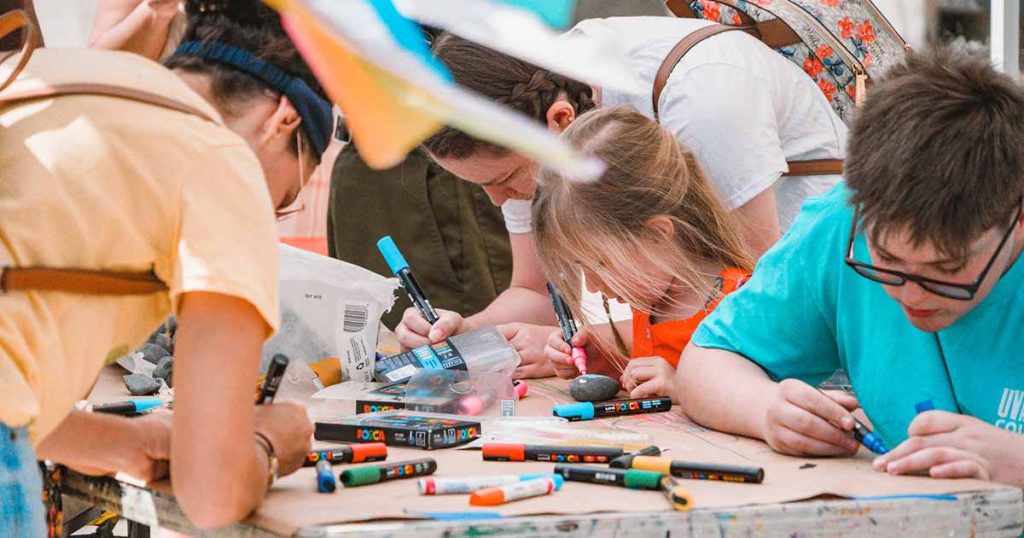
(519, 85)
(249, 25)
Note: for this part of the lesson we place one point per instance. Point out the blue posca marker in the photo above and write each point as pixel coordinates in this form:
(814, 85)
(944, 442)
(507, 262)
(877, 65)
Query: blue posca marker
(129, 407)
(868, 438)
(325, 482)
(612, 408)
(396, 262)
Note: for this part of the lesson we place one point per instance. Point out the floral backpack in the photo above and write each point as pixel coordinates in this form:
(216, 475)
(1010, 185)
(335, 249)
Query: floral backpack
(842, 44)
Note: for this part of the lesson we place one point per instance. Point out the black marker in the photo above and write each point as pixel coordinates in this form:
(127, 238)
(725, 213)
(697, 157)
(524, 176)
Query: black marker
(396, 262)
(568, 325)
(275, 372)
(626, 478)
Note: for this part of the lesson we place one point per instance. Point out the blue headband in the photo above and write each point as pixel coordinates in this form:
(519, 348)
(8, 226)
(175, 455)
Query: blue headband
(315, 111)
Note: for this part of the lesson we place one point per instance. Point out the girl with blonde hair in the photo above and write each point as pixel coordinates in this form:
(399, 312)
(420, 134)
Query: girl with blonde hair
(650, 232)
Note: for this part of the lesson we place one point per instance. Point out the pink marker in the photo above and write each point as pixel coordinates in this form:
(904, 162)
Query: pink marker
(579, 358)
(568, 327)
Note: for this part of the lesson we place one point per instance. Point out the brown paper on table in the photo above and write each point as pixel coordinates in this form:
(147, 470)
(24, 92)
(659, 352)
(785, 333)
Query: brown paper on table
(294, 502)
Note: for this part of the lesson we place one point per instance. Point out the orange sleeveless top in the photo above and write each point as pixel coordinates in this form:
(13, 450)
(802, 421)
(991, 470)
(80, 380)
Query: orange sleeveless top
(668, 338)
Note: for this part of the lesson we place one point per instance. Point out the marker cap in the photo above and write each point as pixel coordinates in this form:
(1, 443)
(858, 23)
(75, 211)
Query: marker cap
(635, 479)
(509, 451)
(369, 452)
(924, 405)
(557, 479)
(583, 410)
(360, 476)
(145, 404)
(396, 262)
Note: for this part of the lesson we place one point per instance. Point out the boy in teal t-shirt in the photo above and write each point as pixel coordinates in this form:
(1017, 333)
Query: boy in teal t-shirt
(908, 276)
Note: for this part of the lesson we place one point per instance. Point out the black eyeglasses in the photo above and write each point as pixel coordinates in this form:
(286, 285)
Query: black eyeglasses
(949, 290)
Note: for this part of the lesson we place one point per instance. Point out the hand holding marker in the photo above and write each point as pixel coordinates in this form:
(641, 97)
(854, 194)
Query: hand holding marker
(871, 440)
(396, 262)
(568, 326)
(275, 372)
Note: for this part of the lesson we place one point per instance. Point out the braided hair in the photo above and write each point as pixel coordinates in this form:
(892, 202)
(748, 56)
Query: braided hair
(508, 81)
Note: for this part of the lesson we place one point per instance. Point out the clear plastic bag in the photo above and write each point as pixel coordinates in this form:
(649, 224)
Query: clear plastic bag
(459, 392)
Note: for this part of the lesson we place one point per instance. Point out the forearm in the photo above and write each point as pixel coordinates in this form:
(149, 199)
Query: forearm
(94, 444)
(144, 32)
(516, 304)
(218, 472)
(723, 390)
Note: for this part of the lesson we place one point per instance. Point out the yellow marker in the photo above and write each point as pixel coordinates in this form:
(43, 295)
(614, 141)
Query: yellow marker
(692, 470)
(679, 497)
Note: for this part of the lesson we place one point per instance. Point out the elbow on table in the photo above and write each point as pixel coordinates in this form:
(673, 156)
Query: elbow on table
(689, 382)
(211, 506)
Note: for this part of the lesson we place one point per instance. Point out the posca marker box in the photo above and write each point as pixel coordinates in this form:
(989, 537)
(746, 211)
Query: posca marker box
(398, 428)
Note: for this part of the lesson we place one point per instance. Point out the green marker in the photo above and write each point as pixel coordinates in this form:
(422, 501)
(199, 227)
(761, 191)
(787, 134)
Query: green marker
(627, 478)
(372, 474)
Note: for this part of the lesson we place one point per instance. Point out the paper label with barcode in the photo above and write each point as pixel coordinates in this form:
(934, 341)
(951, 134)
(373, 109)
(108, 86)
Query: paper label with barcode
(354, 332)
(137, 505)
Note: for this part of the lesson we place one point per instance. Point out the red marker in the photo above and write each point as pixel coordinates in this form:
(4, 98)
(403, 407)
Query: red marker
(557, 454)
(512, 492)
(348, 454)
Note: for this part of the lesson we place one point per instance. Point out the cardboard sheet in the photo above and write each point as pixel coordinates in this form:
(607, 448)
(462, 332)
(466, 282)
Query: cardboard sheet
(294, 502)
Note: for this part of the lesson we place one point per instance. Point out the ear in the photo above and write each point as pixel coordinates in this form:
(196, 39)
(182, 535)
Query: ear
(284, 120)
(560, 115)
(661, 225)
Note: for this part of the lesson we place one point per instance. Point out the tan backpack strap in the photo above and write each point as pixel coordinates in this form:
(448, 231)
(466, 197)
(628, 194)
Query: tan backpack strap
(9, 22)
(677, 53)
(108, 90)
(815, 167)
(79, 281)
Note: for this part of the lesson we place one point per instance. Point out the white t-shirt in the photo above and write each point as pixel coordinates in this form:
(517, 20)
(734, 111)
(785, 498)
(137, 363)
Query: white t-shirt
(739, 106)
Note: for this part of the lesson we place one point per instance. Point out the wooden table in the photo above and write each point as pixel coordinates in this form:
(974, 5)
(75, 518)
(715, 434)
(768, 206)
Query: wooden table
(800, 497)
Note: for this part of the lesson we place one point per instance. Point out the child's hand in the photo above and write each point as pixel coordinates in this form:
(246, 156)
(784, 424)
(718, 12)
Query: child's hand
(647, 377)
(414, 331)
(558, 352)
(948, 445)
(800, 421)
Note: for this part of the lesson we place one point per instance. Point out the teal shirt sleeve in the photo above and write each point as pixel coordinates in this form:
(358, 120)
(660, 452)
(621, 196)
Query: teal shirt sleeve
(784, 317)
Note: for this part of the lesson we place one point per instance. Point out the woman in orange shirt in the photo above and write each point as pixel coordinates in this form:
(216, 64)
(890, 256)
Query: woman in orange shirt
(650, 232)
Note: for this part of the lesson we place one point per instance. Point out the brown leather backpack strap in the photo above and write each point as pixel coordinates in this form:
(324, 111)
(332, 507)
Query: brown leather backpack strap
(79, 281)
(815, 167)
(9, 22)
(677, 53)
(109, 90)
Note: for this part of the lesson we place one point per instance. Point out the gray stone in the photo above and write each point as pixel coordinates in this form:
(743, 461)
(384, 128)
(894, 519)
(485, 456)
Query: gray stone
(141, 385)
(162, 340)
(153, 353)
(165, 370)
(593, 388)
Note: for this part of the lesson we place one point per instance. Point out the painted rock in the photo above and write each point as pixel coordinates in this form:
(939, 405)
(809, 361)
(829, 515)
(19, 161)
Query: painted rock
(593, 388)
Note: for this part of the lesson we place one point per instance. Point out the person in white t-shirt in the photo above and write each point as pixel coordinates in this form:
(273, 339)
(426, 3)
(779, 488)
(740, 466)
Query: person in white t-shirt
(742, 108)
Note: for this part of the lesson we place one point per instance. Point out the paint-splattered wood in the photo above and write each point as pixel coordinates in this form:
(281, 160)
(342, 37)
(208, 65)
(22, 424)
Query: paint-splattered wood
(293, 506)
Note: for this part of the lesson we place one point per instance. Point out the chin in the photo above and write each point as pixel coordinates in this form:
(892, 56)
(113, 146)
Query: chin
(934, 323)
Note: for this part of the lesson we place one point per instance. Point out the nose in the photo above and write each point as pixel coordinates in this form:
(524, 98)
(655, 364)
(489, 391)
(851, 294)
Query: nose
(497, 195)
(912, 294)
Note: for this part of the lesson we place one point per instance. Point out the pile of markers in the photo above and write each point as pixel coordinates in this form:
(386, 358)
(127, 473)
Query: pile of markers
(643, 469)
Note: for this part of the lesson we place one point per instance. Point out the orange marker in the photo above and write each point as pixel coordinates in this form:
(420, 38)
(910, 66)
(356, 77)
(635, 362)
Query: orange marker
(348, 454)
(512, 492)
